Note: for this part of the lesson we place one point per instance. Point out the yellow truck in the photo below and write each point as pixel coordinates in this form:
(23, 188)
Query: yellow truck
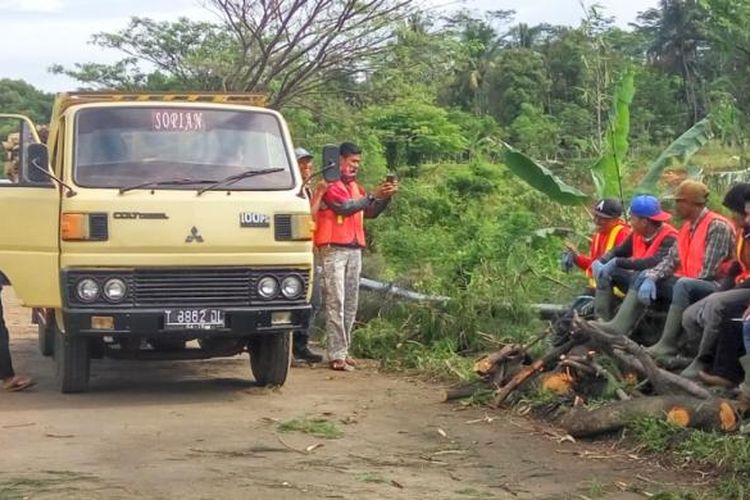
(159, 226)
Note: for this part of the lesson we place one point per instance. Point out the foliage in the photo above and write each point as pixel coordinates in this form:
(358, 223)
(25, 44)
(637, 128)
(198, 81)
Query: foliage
(17, 96)
(540, 178)
(608, 171)
(412, 131)
(679, 151)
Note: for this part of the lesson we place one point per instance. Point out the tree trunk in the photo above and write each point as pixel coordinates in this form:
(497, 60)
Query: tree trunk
(709, 415)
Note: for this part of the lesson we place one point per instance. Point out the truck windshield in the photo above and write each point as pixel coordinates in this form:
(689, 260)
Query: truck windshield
(116, 147)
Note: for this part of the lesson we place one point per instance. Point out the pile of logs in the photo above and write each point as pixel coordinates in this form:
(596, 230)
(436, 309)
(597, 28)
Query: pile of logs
(574, 368)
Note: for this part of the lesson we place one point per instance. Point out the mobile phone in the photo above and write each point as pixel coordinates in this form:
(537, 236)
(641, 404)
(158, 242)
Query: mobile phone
(391, 177)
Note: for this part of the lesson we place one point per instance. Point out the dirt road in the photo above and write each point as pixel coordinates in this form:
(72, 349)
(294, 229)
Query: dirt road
(203, 430)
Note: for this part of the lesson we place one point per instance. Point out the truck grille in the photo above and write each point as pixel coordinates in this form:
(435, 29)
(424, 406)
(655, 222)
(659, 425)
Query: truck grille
(190, 287)
(209, 287)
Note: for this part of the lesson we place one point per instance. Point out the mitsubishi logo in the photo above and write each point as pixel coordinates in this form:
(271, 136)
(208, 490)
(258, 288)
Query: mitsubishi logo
(194, 236)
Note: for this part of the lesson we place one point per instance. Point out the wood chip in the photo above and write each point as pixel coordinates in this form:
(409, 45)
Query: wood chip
(442, 432)
(397, 484)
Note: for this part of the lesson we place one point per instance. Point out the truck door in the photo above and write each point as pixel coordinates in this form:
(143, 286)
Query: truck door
(29, 217)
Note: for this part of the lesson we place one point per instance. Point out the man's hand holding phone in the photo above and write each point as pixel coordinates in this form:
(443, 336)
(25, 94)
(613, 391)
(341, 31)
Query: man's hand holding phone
(387, 189)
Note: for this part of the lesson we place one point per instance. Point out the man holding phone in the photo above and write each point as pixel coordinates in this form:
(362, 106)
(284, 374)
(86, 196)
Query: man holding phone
(340, 238)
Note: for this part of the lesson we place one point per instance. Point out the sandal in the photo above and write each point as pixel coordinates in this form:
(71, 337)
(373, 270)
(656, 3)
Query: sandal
(17, 384)
(341, 365)
(350, 361)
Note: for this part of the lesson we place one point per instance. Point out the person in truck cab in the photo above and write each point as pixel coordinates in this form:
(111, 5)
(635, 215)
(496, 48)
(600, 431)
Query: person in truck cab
(340, 238)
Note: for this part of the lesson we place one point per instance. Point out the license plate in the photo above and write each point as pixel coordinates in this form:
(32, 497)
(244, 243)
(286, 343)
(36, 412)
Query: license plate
(193, 319)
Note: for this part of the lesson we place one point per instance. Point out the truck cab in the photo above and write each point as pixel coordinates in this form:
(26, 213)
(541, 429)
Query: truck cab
(150, 223)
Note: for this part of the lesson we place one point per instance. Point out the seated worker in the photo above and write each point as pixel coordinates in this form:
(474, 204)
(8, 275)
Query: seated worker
(744, 395)
(689, 271)
(611, 231)
(646, 246)
(703, 319)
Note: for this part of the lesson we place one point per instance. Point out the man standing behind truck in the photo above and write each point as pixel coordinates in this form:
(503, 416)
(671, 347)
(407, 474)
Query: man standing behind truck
(340, 238)
(300, 349)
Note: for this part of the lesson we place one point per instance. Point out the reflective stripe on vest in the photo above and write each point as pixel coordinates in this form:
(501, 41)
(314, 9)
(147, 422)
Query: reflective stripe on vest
(597, 252)
(642, 250)
(745, 272)
(692, 248)
(333, 229)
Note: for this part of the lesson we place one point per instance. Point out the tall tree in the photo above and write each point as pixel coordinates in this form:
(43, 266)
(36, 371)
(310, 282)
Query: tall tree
(288, 49)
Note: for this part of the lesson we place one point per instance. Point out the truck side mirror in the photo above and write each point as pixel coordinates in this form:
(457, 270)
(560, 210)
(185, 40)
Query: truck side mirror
(35, 168)
(330, 165)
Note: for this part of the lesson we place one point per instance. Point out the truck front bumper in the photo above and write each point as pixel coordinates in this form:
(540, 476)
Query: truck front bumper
(239, 322)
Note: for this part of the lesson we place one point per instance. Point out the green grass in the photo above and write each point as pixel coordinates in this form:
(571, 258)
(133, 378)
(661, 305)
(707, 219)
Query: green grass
(729, 454)
(316, 426)
(17, 488)
(370, 478)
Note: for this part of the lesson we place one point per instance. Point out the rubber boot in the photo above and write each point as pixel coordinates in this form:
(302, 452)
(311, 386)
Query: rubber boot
(743, 398)
(667, 344)
(603, 303)
(627, 316)
(694, 368)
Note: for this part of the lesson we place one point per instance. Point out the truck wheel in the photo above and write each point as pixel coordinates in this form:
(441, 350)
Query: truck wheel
(46, 333)
(271, 357)
(72, 362)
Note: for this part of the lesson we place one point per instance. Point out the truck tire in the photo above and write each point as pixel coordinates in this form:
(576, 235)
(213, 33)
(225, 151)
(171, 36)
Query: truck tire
(46, 333)
(72, 363)
(271, 357)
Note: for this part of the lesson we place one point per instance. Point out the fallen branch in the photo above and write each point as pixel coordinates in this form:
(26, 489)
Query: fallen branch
(528, 372)
(635, 357)
(709, 415)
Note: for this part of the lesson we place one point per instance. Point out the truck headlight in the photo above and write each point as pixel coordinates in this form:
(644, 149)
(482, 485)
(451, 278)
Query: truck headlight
(292, 287)
(115, 290)
(268, 287)
(87, 290)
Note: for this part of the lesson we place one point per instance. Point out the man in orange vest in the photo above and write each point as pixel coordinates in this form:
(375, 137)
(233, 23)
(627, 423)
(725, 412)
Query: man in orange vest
(340, 238)
(611, 231)
(646, 246)
(300, 349)
(704, 320)
(690, 270)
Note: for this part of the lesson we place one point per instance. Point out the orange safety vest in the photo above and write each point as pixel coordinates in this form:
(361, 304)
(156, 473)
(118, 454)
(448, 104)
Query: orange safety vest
(692, 248)
(745, 269)
(333, 229)
(641, 248)
(597, 251)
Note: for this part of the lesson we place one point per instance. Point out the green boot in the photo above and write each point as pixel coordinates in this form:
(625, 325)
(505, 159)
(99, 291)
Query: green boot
(744, 396)
(694, 368)
(603, 303)
(627, 316)
(667, 344)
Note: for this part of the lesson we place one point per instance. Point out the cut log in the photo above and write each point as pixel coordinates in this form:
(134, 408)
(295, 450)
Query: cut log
(709, 415)
(527, 372)
(489, 364)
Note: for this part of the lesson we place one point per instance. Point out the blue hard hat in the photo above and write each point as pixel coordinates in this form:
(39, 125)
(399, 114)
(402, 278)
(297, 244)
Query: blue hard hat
(648, 207)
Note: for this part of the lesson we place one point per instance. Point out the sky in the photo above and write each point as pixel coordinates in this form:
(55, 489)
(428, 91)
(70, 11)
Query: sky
(35, 34)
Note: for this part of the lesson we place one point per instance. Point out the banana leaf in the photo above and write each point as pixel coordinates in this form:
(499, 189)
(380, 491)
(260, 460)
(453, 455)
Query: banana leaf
(607, 171)
(678, 152)
(541, 178)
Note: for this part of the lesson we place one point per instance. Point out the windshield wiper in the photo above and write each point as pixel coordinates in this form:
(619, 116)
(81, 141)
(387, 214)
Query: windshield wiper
(228, 181)
(167, 182)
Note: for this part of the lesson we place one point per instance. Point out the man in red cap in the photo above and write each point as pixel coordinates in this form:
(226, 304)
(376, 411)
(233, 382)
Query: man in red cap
(646, 246)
